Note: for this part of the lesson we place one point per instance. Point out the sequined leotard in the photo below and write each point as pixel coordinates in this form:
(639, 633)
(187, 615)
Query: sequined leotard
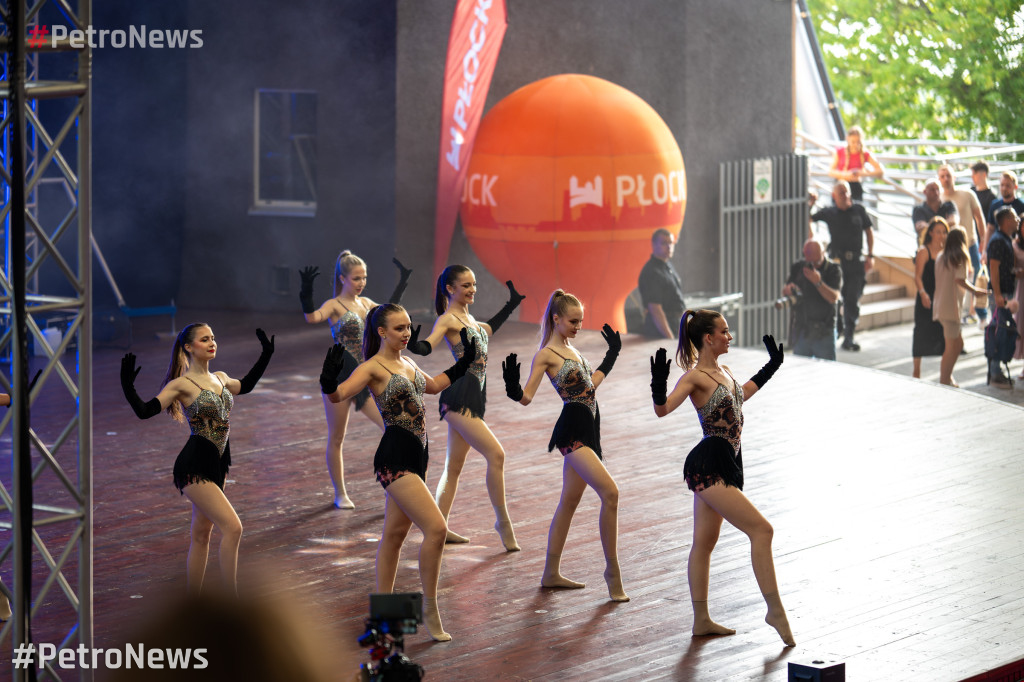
(403, 447)
(718, 457)
(579, 424)
(468, 395)
(207, 454)
(348, 331)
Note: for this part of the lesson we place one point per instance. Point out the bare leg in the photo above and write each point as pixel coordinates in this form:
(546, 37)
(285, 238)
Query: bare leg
(949, 358)
(337, 425)
(734, 507)
(5, 607)
(476, 434)
(917, 368)
(448, 484)
(590, 468)
(707, 523)
(413, 498)
(572, 491)
(389, 549)
(211, 508)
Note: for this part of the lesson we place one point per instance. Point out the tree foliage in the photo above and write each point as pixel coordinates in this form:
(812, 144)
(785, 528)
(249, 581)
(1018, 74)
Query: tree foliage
(924, 69)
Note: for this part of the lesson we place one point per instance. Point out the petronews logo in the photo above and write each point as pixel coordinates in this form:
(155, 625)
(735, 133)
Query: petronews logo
(134, 37)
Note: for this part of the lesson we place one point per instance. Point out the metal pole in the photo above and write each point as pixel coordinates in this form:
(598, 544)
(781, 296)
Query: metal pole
(22, 463)
(85, 554)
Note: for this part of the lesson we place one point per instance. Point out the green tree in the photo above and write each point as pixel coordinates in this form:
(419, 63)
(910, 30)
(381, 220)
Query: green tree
(919, 68)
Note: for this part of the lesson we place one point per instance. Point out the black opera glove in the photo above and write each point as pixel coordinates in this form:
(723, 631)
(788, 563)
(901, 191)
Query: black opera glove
(459, 369)
(660, 368)
(128, 373)
(249, 380)
(775, 357)
(308, 274)
(31, 385)
(500, 317)
(611, 337)
(510, 373)
(416, 346)
(403, 281)
(334, 361)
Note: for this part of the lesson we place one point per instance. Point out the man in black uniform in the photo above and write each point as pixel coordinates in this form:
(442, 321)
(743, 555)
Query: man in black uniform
(814, 283)
(660, 289)
(848, 223)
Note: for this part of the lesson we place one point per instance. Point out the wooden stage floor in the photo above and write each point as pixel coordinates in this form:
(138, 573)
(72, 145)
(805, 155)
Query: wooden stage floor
(896, 505)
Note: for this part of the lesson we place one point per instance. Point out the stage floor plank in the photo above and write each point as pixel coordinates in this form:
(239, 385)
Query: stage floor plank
(896, 506)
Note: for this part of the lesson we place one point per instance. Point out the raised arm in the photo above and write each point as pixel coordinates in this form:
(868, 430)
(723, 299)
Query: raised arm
(458, 370)
(144, 410)
(514, 299)
(334, 361)
(510, 372)
(775, 358)
(442, 326)
(403, 281)
(611, 337)
(248, 382)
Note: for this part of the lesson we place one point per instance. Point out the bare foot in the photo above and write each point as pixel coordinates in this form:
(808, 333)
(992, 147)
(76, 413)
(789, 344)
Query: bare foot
(507, 535)
(344, 502)
(432, 619)
(615, 590)
(454, 538)
(781, 625)
(558, 580)
(709, 627)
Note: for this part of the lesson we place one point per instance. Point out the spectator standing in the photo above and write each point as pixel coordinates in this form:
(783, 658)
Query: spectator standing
(950, 283)
(1002, 279)
(979, 176)
(923, 213)
(853, 162)
(1007, 197)
(1018, 270)
(848, 225)
(816, 281)
(928, 337)
(661, 291)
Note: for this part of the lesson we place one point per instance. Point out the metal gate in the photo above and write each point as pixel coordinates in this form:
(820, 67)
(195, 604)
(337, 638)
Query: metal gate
(759, 241)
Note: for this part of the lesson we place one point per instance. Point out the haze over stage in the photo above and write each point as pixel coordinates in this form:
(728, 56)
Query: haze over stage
(895, 505)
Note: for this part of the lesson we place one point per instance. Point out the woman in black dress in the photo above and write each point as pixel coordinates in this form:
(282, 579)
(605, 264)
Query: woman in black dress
(346, 314)
(462, 405)
(928, 337)
(400, 463)
(191, 390)
(577, 433)
(714, 468)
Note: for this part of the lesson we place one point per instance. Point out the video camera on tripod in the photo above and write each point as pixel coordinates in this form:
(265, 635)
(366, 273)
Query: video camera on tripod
(392, 616)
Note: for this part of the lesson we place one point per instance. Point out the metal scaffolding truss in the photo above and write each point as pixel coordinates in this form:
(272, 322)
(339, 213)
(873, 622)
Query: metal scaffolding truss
(45, 294)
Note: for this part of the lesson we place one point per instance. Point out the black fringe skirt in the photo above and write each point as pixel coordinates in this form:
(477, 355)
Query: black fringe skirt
(466, 396)
(576, 428)
(713, 461)
(199, 461)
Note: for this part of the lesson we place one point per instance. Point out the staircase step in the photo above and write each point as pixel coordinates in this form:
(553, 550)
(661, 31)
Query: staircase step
(885, 312)
(882, 292)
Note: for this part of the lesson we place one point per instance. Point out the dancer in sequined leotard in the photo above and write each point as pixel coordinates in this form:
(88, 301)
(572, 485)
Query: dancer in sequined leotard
(462, 405)
(576, 435)
(400, 463)
(714, 468)
(205, 398)
(346, 313)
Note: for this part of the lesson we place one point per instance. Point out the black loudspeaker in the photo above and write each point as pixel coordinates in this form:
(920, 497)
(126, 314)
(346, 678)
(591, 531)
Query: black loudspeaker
(817, 671)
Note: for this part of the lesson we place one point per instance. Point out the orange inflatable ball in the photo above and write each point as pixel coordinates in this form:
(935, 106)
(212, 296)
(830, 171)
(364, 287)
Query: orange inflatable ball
(569, 178)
